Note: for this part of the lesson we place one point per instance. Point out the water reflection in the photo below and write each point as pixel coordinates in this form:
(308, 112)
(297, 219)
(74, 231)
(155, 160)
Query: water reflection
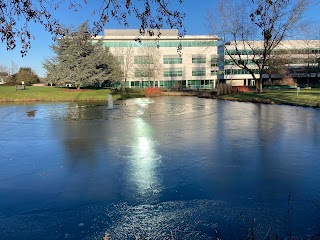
(31, 114)
(145, 159)
(161, 164)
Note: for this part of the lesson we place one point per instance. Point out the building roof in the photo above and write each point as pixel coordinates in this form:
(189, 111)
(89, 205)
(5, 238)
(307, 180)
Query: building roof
(166, 34)
(136, 32)
(283, 44)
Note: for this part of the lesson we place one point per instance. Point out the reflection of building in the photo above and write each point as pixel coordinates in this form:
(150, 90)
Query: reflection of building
(298, 59)
(196, 67)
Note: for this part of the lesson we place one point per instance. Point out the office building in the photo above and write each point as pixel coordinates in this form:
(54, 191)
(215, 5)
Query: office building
(159, 61)
(296, 59)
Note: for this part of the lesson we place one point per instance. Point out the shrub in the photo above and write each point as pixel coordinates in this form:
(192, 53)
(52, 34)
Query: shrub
(152, 92)
(240, 89)
(287, 82)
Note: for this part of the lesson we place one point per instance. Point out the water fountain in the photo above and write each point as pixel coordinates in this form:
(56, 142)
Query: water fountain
(110, 101)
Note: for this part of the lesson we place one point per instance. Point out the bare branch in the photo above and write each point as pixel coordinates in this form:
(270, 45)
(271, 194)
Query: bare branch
(269, 21)
(16, 15)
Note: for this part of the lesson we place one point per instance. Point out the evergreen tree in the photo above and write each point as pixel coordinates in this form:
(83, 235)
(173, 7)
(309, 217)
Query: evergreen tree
(79, 60)
(26, 75)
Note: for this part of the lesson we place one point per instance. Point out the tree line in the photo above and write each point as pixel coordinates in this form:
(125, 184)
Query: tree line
(236, 21)
(15, 76)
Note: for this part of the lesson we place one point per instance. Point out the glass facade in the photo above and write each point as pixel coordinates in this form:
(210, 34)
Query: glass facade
(302, 60)
(240, 52)
(172, 60)
(239, 71)
(200, 84)
(232, 62)
(140, 73)
(142, 60)
(214, 62)
(167, 84)
(172, 73)
(177, 43)
(141, 84)
(176, 69)
(199, 72)
(214, 72)
(275, 51)
(192, 84)
(199, 59)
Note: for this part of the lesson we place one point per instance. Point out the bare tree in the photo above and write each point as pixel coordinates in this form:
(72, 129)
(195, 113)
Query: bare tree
(148, 64)
(125, 56)
(4, 69)
(278, 65)
(269, 21)
(311, 55)
(10, 70)
(14, 68)
(16, 15)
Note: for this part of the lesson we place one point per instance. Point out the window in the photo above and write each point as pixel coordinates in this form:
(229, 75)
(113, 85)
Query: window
(199, 59)
(214, 62)
(166, 84)
(214, 72)
(160, 43)
(169, 60)
(142, 60)
(242, 52)
(139, 73)
(199, 72)
(120, 59)
(172, 73)
(240, 71)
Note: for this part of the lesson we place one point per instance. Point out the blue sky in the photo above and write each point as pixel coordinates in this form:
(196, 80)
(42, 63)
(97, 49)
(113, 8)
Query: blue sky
(195, 23)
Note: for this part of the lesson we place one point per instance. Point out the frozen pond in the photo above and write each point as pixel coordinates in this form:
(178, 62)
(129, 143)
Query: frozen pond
(162, 168)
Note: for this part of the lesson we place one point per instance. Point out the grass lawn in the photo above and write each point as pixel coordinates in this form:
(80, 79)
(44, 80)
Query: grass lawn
(306, 97)
(57, 94)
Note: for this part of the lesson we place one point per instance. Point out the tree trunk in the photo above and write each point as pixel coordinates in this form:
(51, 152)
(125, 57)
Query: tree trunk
(259, 84)
(122, 86)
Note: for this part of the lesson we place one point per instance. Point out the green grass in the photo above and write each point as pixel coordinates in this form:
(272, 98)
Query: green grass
(56, 94)
(306, 97)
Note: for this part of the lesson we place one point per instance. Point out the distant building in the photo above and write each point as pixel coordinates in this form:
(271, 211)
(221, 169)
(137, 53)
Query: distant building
(196, 67)
(201, 63)
(301, 58)
(4, 77)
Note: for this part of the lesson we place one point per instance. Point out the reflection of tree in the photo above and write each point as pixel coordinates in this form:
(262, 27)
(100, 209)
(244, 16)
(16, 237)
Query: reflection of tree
(84, 112)
(80, 150)
(32, 113)
(80, 138)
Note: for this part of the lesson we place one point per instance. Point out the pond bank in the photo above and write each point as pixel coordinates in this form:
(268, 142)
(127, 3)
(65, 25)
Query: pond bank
(305, 98)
